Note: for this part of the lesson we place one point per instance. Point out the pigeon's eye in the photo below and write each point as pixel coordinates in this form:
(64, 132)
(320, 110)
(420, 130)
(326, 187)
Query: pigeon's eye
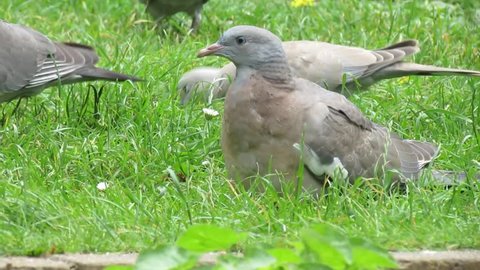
(240, 40)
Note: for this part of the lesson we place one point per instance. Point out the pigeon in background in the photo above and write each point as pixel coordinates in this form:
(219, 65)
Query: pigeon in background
(164, 8)
(30, 62)
(329, 65)
(204, 83)
(273, 119)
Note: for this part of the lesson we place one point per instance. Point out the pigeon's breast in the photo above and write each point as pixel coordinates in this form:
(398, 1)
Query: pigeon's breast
(258, 132)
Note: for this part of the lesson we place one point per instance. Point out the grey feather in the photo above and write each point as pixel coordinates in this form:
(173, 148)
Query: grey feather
(161, 9)
(32, 62)
(329, 64)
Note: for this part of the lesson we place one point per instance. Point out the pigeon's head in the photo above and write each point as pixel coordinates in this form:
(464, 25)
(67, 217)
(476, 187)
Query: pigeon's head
(246, 45)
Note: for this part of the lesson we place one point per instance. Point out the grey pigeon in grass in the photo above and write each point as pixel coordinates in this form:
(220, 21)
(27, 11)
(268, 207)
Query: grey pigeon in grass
(30, 62)
(161, 9)
(272, 119)
(328, 65)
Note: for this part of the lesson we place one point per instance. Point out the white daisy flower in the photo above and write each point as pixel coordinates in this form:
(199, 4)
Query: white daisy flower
(102, 186)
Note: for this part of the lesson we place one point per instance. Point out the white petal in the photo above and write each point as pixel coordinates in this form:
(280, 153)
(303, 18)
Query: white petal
(102, 186)
(210, 112)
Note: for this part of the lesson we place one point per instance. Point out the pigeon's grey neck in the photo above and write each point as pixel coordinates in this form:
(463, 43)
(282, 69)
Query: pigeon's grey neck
(275, 69)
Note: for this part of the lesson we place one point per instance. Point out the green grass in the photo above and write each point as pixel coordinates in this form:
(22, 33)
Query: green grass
(54, 150)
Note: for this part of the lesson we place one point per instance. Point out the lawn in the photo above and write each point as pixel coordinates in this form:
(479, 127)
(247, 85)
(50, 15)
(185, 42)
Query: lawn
(55, 149)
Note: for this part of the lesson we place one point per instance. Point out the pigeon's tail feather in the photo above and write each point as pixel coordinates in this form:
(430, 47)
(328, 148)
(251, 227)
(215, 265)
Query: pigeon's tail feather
(451, 178)
(402, 49)
(401, 69)
(95, 73)
(85, 56)
(402, 44)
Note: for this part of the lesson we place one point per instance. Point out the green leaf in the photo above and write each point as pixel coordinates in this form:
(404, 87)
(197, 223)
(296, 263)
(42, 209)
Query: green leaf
(206, 238)
(313, 266)
(368, 256)
(252, 260)
(284, 255)
(170, 257)
(326, 245)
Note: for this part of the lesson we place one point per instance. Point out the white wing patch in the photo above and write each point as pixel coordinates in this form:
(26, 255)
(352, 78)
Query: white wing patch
(315, 165)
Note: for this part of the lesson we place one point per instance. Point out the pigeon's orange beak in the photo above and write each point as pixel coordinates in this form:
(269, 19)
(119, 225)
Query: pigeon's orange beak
(209, 50)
